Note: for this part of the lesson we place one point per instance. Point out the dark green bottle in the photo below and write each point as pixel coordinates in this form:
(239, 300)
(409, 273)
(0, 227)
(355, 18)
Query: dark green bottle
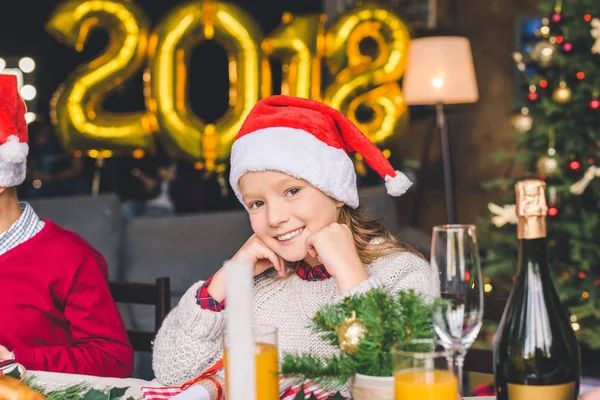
(536, 354)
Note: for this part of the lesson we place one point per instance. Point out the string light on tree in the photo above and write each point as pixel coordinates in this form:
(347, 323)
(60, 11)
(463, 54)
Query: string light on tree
(544, 29)
(556, 17)
(574, 165)
(533, 95)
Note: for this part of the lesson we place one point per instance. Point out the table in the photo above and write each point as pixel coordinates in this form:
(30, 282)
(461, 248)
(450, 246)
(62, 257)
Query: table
(55, 380)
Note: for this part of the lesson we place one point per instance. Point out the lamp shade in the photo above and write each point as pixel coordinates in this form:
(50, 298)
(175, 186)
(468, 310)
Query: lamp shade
(440, 70)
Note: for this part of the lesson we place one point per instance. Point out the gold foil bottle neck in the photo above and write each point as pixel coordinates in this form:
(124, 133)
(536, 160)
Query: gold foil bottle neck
(531, 208)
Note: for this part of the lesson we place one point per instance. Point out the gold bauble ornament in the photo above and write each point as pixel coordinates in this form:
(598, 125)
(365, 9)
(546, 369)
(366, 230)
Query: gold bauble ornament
(522, 122)
(350, 333)
(543, 53)
(547, 165)
(562, 94)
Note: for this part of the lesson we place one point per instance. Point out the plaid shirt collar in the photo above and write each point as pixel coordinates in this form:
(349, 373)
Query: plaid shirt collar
(26, 227)
(316, 273)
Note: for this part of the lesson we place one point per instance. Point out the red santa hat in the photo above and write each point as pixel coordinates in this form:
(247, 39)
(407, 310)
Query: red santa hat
(13, 133)
(310, 141)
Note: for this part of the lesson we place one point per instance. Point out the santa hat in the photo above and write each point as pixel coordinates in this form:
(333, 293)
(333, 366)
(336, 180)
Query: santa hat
(310, 141)
(13, 133)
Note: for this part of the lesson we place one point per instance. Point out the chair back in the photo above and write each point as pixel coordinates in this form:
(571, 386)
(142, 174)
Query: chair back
(157, 294)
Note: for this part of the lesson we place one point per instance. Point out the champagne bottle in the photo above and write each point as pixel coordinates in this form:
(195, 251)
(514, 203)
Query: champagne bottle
(536, 354)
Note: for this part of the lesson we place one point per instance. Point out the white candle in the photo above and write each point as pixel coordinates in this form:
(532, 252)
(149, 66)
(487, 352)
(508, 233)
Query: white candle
(241, 375)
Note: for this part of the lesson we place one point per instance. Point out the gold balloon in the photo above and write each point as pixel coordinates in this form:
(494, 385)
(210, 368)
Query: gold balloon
(562, 94)
(369, 81)
(522, 122)
(172, 43)
(544, 53)
(350, 333)
(547, 165)
(300, 43)
(76, 106)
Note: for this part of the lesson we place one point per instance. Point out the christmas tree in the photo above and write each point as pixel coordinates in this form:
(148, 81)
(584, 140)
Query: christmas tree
(557, 127)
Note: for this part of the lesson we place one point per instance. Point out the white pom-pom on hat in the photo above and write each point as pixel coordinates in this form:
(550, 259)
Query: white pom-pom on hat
(14, 151)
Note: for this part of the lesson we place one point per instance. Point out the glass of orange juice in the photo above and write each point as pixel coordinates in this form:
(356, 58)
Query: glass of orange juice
(423, 370)
(267, 361)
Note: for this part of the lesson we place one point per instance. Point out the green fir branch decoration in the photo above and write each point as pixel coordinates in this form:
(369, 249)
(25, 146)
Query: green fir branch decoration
(387, 318)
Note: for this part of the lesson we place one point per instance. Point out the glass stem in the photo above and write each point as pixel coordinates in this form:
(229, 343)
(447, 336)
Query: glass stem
(459, 361)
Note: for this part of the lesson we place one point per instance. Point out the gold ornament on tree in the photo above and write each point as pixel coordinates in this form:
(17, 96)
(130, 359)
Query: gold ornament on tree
(350, 333)
(562, 94)
(544, 53)
(547, 165)
(522, 122)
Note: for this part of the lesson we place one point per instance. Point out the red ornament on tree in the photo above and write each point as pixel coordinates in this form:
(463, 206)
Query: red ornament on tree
(533, 96)
(552, 211)
(580, 75)
(556, 17)
(567, 46)
(587, 17)
(575, 165)
(594, 104)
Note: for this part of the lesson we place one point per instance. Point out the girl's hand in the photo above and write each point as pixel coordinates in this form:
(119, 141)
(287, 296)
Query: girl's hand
(255, 252)
(334, 247)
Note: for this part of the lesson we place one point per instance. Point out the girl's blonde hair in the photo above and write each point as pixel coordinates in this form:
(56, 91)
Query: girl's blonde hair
(372, 239)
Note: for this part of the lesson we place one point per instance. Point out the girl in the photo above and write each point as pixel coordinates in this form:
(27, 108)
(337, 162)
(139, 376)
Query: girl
(311, 245)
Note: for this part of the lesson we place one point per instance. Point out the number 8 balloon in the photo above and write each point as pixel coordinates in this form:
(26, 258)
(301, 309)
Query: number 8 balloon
(370, 81)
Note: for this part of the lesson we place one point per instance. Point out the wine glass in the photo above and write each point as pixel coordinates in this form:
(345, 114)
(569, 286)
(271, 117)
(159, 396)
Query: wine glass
(458, 308)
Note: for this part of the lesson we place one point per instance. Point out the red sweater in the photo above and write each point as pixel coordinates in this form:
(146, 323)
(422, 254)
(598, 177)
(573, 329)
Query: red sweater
(57, 313)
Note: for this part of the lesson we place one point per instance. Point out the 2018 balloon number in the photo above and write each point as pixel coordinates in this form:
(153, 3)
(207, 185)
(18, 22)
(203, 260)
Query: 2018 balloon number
(300, 43)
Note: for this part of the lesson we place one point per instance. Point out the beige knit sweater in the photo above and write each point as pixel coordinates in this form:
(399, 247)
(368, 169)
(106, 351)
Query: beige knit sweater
(189, 340)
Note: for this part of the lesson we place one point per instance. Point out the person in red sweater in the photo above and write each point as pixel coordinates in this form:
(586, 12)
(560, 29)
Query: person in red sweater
(57, 312)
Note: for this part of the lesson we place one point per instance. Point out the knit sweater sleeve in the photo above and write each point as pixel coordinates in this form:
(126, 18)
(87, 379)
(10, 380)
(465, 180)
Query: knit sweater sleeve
(188, 342)
(396, 271)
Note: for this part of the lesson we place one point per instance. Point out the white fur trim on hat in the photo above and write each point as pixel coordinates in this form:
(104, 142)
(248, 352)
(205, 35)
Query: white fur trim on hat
(398, 185)
(12, 174)
(296, 153)
(13, 151)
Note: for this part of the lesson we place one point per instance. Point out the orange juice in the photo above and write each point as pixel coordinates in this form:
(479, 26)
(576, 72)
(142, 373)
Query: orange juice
(267, 371)
(425, 385)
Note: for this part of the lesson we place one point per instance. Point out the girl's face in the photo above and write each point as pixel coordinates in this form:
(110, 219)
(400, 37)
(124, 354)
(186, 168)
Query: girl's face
(284, 211)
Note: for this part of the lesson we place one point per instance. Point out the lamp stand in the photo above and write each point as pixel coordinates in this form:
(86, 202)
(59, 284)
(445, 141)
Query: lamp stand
(447, 164)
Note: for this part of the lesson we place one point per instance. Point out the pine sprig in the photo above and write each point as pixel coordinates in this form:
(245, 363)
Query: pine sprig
(388, 319)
